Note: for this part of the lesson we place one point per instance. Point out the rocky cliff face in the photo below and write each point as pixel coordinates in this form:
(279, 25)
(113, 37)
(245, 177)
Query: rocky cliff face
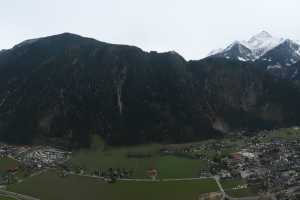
(240, 95)
(70, 87)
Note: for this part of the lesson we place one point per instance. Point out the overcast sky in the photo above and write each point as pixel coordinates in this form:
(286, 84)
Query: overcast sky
(191, 27)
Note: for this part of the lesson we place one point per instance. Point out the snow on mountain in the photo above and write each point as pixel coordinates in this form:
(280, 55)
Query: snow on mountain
(278, 66)
(298, 52)
(214, 52)
(286, 54)
(259, 44)
(280, 57)
(236, 50)
(262, 43)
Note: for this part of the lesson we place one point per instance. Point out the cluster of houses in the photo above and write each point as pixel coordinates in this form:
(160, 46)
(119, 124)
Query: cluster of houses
(272, 166)
(28, 160)
(34, 157)
(43, 157)
(117, 173)
(11, 150)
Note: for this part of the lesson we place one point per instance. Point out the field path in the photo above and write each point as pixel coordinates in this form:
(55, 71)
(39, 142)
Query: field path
(17, 196)
(185, 179)
(217, 179)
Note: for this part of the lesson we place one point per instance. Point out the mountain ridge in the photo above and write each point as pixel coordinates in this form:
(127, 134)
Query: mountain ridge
(66, 88)
(259, 45)
(268, 51)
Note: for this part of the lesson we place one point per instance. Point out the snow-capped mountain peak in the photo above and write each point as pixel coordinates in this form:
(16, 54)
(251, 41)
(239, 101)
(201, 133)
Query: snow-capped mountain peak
(262, 43)
(261, 36)
(279, 56)
(258, 44)
(236, 50)
(286, 54)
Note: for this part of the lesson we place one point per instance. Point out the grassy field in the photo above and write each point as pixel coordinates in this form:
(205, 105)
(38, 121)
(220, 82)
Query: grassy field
(167, 166)
(241, 193)
(7, 163)
(228, 186)
(49, 186)
(232, 183)
(6, 198)
(288, 134)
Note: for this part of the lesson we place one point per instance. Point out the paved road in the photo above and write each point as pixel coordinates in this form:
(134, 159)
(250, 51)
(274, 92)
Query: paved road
(185, 179)
(217, 179)
(17, 196)
(143, 179)
(89, 176)
(243, 198)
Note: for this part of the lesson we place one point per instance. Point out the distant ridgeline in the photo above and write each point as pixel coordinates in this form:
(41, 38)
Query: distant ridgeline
(70, 87)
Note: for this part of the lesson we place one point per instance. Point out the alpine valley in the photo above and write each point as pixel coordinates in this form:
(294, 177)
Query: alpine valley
(64, 88)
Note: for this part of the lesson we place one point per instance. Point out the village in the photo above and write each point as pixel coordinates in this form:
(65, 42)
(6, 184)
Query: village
(28, 160)
(263, 166)
(266, 166)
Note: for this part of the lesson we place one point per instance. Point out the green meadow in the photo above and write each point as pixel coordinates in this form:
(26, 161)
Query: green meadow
(100, 157)
(50, 185)
(6, 198)
(7, 163)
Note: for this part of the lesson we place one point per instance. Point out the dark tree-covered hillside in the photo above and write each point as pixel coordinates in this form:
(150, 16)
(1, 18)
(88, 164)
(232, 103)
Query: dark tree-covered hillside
(69, 87)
